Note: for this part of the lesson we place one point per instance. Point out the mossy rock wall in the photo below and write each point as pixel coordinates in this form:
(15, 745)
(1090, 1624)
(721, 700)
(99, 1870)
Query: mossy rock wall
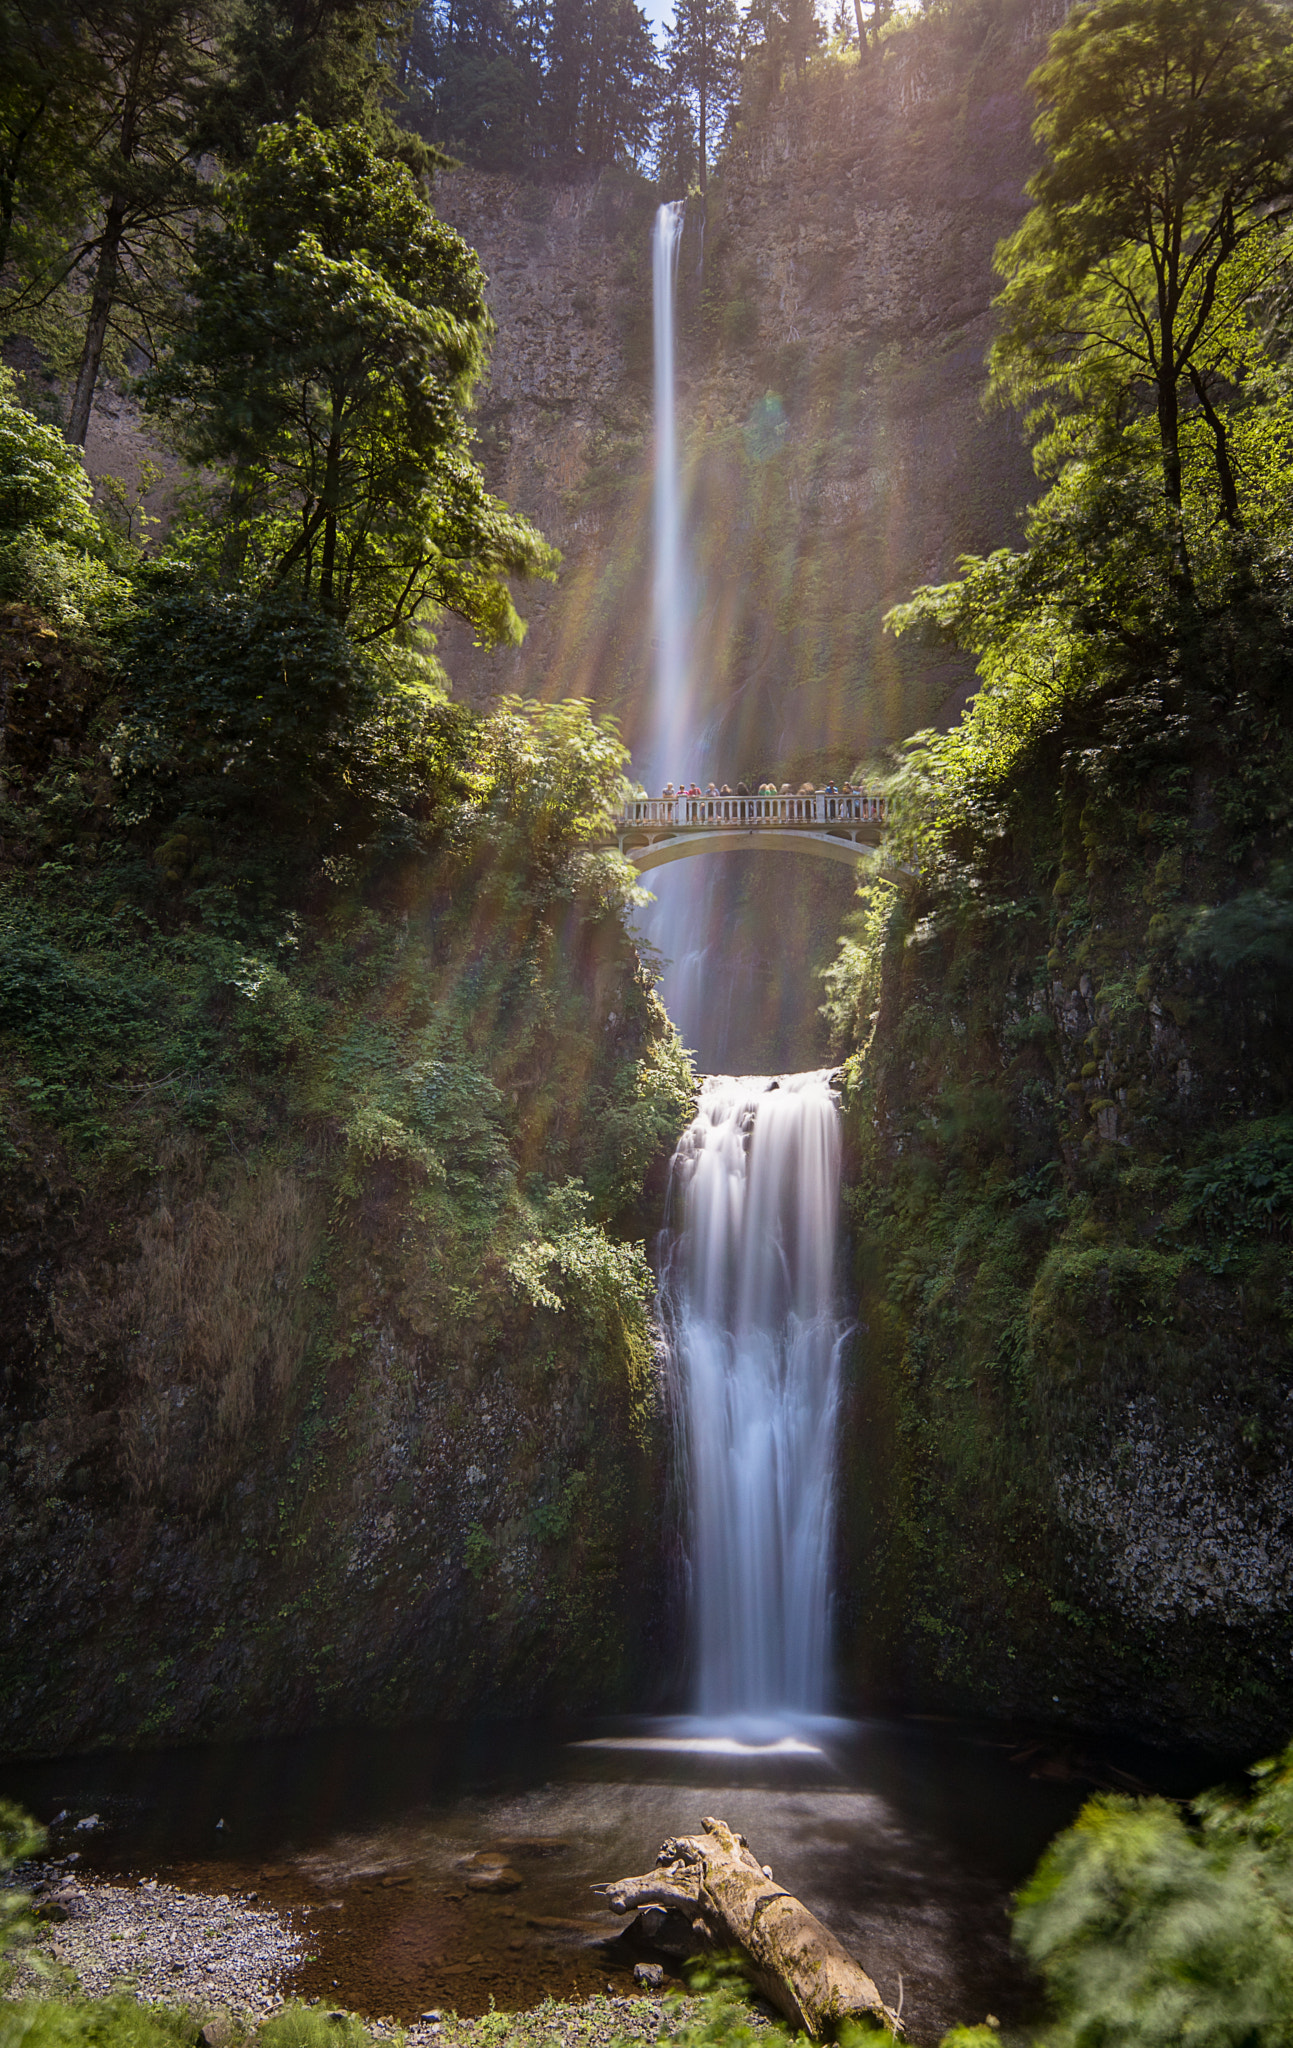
(328, 1387)
(1068, 1432)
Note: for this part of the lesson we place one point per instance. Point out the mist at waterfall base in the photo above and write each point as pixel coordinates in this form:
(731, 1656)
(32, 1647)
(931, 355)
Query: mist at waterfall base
(907, 1840)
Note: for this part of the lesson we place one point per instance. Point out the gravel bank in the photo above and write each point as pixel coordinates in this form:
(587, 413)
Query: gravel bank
(163, 1944)
(230, 1954)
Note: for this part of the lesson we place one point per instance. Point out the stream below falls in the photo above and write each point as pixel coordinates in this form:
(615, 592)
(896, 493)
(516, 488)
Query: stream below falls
(907, 1838)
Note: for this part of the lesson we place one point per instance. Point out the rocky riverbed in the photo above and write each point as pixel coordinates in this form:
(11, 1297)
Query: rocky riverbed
(228, 1954)
(182, 1948)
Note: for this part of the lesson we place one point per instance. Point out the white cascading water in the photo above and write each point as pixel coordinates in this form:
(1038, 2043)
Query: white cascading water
(748, 1280)
(677, 923)
(670, 703)
(748, 1291)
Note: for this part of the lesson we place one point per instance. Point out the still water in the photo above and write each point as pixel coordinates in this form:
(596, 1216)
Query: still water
(906, 1838)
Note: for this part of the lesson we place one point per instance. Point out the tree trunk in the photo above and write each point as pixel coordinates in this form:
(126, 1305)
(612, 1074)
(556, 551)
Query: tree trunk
(703, 99)
(96, 327)
(862, 42)
(108, 268)
(795, 1961)
(1221, 448)
(331, 495)
(1169, 435)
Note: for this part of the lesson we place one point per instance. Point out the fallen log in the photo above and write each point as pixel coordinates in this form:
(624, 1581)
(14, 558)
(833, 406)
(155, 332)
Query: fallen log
(728, 1894)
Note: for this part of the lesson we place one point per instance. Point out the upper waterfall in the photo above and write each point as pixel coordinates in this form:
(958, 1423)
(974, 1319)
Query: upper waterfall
(670, 721)
(749, 1296)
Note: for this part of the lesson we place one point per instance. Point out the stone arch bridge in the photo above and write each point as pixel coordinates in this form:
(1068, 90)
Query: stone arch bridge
(651, 831)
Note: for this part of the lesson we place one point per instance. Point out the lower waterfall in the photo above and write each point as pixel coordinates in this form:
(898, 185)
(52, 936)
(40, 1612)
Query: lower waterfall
(748, 1295)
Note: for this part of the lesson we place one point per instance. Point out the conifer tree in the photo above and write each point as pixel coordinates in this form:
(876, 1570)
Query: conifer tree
(46, 87)
(153, 60)
(703, 56)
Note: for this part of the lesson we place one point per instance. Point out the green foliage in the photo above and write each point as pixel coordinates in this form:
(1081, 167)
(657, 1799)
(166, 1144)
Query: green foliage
(554, 771)
(722, 2017)
(118, 2022)
(332, 62)
(703, 57)
(1151, 1927)
(20, 1837)
(297, 2025)
(232, 699)
(1248, 1191)
(575, 1265)
(853, 977)
(651, 1103)
(339, 327)
(1251, 932)
(43, 484)
(58, 997)
(1169, 155)
(54, 554)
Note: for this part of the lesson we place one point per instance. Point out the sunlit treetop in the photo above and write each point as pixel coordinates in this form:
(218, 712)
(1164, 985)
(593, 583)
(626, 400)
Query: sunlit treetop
(339, 329)
(1167, 127)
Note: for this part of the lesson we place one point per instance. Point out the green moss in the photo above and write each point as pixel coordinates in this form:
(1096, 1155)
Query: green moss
(1071, 1230)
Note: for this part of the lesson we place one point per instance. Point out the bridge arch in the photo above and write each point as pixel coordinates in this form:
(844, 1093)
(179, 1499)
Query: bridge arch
(842, 826)
(684, 845)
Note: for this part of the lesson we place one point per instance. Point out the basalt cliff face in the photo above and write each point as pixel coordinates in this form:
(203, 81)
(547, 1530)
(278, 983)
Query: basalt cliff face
(1066, 1449)
(327, 1384)
(834, 313)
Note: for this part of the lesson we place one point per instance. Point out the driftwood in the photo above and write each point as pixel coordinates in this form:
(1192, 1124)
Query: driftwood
(725, 1892)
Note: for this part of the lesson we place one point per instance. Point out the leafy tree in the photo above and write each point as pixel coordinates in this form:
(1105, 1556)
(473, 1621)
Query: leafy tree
(259, 706)
(53, 551)
(703, 57)
(676, 159)
(1152, 1927)
(1168, 132)
(554, 771)
(338, 329)
(777, 33)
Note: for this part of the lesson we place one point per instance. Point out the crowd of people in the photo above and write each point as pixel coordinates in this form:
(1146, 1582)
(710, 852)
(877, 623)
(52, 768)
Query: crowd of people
(686, 789)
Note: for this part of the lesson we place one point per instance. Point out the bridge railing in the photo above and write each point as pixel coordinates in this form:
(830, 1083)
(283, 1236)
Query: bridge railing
(822, 807)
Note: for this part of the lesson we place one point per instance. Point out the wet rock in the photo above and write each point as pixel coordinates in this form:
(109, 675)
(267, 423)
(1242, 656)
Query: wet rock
(522, 1848)
(494, 1877)
(649, 1976)
(673, 1933)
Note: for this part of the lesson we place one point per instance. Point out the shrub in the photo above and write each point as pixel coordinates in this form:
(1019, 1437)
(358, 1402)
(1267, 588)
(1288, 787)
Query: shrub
(1153, 1927)
(52, 549)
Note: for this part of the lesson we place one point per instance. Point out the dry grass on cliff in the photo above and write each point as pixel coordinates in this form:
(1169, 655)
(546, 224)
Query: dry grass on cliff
(211, 1310)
